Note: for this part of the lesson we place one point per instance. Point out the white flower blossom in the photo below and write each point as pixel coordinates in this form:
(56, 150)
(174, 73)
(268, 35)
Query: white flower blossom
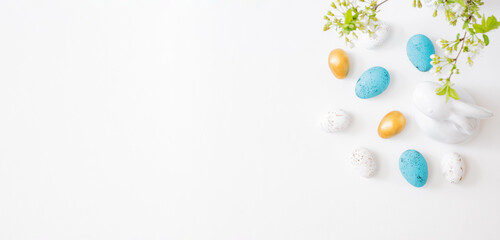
(457, 8)
(429, 3)
(441, 43)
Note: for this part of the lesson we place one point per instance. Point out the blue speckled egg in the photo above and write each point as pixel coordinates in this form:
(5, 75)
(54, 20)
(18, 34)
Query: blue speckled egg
(419, 50)
(413, 167)
(372, 82)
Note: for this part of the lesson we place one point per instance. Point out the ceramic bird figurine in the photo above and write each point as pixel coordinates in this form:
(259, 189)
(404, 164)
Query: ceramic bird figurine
(454, 121)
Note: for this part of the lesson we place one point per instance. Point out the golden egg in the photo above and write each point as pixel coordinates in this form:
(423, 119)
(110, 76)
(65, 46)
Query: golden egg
(339, 63)
(392, 124)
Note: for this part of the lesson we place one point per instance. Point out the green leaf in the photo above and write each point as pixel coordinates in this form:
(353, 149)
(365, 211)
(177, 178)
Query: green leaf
(486, 40)
(478, 28)
(454, 94)
(355, 16)
(442, 90)
(471, 30)
(466, 24)
(348, 16)
(491, 20)
(461, 2)
(491, 24)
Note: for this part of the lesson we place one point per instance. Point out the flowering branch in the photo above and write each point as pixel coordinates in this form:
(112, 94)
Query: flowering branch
(350, 18)
(467, 12)
(353, 17)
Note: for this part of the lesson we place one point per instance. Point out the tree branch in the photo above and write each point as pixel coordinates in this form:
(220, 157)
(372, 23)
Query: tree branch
(376, 6)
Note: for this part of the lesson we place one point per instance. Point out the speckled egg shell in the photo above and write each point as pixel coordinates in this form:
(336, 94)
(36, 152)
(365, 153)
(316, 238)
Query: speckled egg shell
(339, 63)
(363, 162)
(413, 167)
(453, 167)
(392, 124)
(335, 121)
(419, 50)
(372, 82)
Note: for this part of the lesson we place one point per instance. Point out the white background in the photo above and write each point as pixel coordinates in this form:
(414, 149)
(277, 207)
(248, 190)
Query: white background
(199, 120)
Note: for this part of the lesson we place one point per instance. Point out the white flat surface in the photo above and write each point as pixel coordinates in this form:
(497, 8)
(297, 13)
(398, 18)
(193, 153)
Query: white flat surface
(198, 120)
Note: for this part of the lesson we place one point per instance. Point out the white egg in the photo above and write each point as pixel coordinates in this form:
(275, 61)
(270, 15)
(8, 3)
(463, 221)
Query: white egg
(335, 121)
(380, 35)
(363, 162)
(453, 167)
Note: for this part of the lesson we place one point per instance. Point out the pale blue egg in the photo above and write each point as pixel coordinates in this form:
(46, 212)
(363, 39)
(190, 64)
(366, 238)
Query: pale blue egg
(413, 167)
(419, 50)
(372, 82)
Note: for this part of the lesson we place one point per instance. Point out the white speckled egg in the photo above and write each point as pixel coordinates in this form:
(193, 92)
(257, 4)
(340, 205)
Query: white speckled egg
(453, 167)
(335, 121)
(363, 162)
(382, 32)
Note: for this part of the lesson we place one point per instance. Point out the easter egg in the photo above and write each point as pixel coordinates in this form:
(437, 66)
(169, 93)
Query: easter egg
(335, 121)
(363, 162)
(392, 124)
(372, 82)
(452, 167)
(339, 63)
(419, 50)
(413, 167)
